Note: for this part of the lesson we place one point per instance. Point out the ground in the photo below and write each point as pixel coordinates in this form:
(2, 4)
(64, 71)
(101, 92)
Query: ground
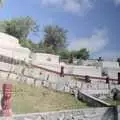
(29, 99)
(110, 101)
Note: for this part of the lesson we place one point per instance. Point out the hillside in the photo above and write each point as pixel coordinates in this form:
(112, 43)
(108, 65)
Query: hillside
(28, 99)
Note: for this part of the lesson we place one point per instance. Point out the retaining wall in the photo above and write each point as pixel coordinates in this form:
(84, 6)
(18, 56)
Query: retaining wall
(80, 114)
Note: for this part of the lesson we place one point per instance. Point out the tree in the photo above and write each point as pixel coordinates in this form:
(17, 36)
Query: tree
(64, 54)
(71, 59)
(19, 27)
(74, 53)
(55, 37)
(1, 2)
(49, 50)
(29, 44)
(82, 54)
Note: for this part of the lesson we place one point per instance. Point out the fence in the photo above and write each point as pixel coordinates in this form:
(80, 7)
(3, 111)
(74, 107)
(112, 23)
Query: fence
(56, 79)
(59, 70)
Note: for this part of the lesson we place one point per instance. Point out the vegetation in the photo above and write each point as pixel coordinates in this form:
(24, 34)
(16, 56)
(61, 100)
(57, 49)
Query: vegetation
(55, 37)
(54, 40)
(28, 99)
(20, 27)
(1, 2)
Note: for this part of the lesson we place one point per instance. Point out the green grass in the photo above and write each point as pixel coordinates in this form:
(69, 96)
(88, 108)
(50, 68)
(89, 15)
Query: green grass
(27, 99)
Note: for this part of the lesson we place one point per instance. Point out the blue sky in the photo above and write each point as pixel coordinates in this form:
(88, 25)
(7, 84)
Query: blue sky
(94, 24)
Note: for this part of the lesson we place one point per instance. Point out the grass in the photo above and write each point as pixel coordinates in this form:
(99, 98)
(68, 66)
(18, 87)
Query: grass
(28, 99)
(110, 101)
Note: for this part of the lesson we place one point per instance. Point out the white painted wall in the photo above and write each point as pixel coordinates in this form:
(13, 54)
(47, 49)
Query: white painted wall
(37, 58)
(10, 47)
(89, 62)
(72, 69)
(112, 72)
(16, 53)
(109, 64)
(84, 70)
(8, 41)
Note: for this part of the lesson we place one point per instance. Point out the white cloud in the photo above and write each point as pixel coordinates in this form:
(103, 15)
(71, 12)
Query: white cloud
(94, 43)
(74, 6)
(117, 2)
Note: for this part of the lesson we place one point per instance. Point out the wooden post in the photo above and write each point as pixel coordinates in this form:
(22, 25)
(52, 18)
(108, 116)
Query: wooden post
(107, 80)
(87, 79)
(6, 100)
(62, 72)
(119, 78)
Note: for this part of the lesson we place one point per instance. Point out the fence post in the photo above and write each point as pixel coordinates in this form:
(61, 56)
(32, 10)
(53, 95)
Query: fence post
(62, 72)
(6, 100)
(107, 80)
(87, 79)
(119, 78)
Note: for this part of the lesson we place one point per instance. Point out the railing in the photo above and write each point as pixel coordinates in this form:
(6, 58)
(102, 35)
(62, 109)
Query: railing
(75, 75)
(19, 62)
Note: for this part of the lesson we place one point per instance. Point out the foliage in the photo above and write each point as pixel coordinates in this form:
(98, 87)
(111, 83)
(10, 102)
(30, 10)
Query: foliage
(49, 50)
(71, 59)
(55, 37)
(82, 54)
(54, 40)
(1, 2)
(29, 44)
(64, 54)
(19, 27)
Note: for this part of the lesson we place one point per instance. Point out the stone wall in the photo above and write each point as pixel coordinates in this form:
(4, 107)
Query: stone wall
(38, 58)
(80, 114)
(109, 64)
(29, 73)
(92, 101)
(72, 69)
(112, 72)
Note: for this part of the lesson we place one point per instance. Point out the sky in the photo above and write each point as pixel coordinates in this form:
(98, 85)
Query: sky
(91, 24)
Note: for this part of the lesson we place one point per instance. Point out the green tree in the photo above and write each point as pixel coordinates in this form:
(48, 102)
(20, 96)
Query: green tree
(55, 37)
(64, 54)
(19, 27)
(82, 54)
(71, 59)
(49, 50)
(1, 2)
